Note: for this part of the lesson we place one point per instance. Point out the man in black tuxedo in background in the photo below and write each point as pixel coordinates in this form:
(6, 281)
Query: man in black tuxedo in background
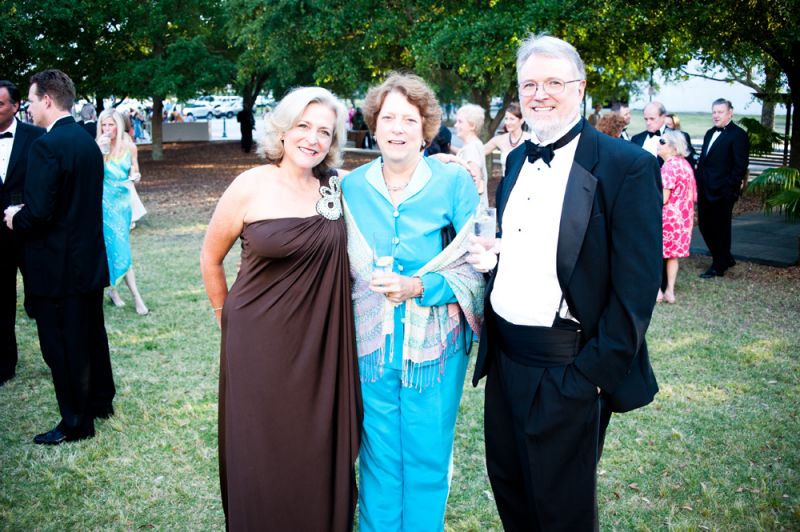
(625, 113)
(655, 116)
(65, 258)
(89, 119)
(721, 172)
(655, 120)
(568, 300)
(246, 124)
(15, 141)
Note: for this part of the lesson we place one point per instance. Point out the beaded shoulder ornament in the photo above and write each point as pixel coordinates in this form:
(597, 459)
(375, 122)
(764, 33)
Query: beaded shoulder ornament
(330, 204)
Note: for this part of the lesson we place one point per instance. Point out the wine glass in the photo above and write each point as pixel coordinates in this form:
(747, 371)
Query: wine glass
(105, 143)
(382, 256)
(485, 227)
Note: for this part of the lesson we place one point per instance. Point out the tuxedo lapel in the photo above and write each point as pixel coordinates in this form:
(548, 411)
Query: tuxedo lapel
(577, 207)
(720, 138)
(514, 163)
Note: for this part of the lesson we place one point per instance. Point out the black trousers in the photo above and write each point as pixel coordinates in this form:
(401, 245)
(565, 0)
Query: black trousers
(247, 137)
(542, 429)
(74, 344)
(714, 220)
(11, 262)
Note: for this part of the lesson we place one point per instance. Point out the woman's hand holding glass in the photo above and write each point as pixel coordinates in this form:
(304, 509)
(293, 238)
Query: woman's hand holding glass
(397, 288)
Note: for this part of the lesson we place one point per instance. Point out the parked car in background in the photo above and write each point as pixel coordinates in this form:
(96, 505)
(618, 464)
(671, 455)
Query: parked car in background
(198, 111)
(228, 106)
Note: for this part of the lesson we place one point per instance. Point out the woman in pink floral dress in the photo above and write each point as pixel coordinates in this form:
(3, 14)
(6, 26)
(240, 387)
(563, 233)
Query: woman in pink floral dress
(680, 193)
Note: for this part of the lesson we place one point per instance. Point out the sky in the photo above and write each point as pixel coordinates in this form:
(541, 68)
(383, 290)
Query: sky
(696, 95)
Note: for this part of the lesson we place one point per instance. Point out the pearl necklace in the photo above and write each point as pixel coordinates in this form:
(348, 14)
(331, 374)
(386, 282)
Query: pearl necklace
(514, 144)
(393, 188)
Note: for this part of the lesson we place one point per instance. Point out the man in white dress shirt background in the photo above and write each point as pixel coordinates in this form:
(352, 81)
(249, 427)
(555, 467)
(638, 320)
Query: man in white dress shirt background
(15, 141)
(655, 117)
(721, 173)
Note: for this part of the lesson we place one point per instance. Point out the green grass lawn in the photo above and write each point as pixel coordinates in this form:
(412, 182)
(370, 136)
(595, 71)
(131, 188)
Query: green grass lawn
(717, 450)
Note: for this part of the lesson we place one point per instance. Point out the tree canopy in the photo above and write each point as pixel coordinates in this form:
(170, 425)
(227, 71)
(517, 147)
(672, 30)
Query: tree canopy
(466, 50)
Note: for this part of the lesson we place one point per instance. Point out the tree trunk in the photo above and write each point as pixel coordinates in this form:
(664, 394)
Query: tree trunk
(768, 114)
(494, 121)
(251, 90)
(772, 73)
(99, 105)
(156, 133)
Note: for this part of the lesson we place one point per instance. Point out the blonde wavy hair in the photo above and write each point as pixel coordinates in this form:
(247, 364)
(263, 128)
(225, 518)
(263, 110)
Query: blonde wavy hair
(122, 141)
(418, 94)
(286, 115)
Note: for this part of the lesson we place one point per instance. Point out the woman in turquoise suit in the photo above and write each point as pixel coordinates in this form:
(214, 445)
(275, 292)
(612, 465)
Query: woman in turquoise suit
(414, 319)
(121, 166)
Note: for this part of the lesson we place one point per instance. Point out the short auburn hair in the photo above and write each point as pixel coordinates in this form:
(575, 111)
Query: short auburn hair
(418, 94)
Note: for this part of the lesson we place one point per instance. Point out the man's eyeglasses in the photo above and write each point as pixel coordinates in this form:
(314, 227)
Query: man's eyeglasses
(551, 86)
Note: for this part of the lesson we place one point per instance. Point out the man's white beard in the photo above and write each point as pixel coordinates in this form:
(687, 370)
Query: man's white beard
(545, 130)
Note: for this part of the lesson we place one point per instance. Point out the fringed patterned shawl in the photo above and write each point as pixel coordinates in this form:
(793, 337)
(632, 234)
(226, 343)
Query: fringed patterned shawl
(431, 333)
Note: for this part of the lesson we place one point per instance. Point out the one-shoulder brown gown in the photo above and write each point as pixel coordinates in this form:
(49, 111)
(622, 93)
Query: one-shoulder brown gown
(289, 398)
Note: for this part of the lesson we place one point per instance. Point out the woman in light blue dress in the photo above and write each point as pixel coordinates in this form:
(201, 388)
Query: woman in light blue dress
(415, 319)
(121, 166)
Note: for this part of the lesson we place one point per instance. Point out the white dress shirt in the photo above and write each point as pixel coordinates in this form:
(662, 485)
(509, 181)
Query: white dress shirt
(651, 142)
(526, 289)
(6, 145)
(714, 137)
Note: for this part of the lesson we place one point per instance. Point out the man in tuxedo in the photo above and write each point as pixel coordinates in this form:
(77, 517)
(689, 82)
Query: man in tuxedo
(246, 124)
(721, 172)
(15, 142)
(65, 258)
(655, 116)
(568, 298)
(625, 113)
(655, 119)
(88, 119)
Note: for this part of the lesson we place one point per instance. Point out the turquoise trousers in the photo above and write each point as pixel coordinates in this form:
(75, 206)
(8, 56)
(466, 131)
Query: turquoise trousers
(406, 458)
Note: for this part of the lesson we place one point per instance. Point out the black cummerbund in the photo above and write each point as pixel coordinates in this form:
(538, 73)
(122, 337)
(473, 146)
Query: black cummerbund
(541, 347)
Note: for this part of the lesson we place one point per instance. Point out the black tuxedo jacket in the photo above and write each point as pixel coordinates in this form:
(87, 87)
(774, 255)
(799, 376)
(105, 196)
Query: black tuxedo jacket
(639, 139)
(62, 220)
(89, 127)
(722, 168)
(18, 162)
(14, 184)
(608, 263)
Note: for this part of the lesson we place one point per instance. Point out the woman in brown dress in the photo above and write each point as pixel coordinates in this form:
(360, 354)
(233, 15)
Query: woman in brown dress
(289, 396)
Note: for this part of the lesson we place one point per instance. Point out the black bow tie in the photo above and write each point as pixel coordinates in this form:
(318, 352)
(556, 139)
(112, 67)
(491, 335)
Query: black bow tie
(6, 135)
(546, 153)
(719, 129)
(653, 133)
